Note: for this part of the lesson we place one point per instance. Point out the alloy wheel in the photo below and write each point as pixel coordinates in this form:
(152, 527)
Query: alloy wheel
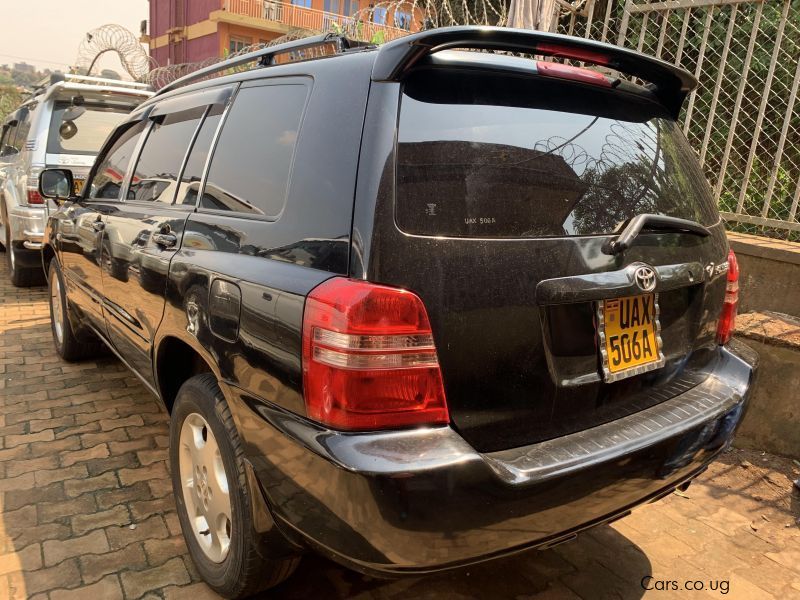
(205, 487)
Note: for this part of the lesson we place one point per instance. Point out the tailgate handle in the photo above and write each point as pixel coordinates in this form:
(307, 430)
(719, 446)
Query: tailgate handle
(659, 222)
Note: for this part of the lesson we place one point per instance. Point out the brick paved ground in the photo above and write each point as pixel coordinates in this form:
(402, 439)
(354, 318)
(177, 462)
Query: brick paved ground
(86, 512)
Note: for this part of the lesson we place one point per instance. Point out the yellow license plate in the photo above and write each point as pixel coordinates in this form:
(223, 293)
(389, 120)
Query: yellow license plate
(630, 336)
(79, 186)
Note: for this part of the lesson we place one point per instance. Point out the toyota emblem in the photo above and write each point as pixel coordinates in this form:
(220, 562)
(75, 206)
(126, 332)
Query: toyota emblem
(645, 278)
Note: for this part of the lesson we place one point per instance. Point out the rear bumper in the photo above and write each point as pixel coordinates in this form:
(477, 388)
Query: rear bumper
(424, 500)
(27, 226)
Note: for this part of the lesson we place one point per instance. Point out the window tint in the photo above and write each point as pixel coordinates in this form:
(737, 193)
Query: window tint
(23, 129)
(493, 156)
(81, 129)
(252, 160)
(161, 157)
(111, 168)
(193, 172)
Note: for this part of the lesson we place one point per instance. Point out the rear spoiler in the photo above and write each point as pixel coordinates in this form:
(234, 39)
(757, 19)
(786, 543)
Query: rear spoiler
(669, 83)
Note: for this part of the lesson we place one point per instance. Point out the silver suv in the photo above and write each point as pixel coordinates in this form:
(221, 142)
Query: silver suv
(63, 124)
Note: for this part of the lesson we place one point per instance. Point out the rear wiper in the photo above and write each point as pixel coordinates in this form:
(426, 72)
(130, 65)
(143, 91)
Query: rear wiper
(658, 222)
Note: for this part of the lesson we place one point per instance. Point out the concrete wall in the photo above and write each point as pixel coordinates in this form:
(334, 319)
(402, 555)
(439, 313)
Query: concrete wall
(769, 274)
(772, 422)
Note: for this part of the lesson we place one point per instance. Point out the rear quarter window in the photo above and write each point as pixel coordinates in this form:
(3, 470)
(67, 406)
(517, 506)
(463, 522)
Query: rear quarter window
(499, 156)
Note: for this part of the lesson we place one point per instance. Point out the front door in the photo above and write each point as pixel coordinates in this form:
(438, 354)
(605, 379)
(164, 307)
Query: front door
(80, 225)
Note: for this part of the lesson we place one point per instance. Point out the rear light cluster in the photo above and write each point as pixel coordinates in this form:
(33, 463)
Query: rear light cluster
(34, 197)
(727, 318)
(369, 360)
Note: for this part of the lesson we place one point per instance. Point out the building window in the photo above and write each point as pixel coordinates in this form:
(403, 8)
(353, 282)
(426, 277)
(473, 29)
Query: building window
(379, 15)
(238, 44)
(402, 20)
(350, 7)
(302, 3)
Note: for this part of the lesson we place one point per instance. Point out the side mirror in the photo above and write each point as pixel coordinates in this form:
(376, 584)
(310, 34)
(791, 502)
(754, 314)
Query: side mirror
(56, 185)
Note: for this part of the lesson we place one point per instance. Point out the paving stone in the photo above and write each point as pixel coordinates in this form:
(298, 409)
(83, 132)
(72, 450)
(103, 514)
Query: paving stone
(63, 575)
(107, 588)
(73, 472)
(136, 584)
(152, 528)
(95, 566)
(57, 550)
(118, 515)
(200, 591)
(27, 559)
(76, 487)
(137, 492)
(53, 511)
(159, 551)
(154, 471)
(18, 467)
(79, 456)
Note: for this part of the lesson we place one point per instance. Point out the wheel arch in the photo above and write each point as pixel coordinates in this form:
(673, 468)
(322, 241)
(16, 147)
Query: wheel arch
(185, 361)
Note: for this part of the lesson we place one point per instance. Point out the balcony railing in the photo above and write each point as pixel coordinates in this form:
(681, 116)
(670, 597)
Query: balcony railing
(359, 26)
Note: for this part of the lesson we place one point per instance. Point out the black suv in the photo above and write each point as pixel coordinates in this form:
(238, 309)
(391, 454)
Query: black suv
(411, 306)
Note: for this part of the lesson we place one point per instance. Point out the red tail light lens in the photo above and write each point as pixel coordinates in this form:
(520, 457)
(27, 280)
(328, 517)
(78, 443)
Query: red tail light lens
(34, 197)
(581, 54)
(369, 361)
(727, 318)
(559, 71)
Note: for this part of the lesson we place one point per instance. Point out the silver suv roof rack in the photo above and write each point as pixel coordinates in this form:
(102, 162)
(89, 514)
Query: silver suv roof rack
(308, 48)
(86, 79)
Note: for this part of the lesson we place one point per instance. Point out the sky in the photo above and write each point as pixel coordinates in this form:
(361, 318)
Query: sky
(47, 33)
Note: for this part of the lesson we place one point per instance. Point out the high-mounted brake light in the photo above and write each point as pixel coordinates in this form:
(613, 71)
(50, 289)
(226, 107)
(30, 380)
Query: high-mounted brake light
(369, 361)
(559, 71)
(573, 53)
(727, 318)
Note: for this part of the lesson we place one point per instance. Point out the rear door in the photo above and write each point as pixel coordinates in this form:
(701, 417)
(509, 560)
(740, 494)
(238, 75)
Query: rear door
(142, 236)
(508, 188)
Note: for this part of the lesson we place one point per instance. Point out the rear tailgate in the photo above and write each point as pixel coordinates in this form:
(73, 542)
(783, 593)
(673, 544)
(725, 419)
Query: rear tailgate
(508, 189)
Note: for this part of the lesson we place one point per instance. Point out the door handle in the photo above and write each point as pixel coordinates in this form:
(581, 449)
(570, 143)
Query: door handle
(167, 240)
(98, 226)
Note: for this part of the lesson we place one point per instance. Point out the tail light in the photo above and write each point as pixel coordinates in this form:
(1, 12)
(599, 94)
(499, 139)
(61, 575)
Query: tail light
(369, 361)
(727, 318)
(34, 197)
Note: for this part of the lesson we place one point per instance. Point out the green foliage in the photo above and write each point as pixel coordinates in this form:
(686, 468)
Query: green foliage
(10, 99)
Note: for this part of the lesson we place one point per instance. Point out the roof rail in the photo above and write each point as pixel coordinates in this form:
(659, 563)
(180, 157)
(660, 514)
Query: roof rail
(325, 45)
(670, 84)
(104, 81)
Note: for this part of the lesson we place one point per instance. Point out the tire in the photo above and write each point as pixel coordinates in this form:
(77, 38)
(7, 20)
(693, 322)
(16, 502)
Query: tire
(68, 346)
(239, 570)
(20, 276)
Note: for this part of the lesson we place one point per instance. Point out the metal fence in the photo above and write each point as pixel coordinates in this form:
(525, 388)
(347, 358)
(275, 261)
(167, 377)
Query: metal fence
(744, 118)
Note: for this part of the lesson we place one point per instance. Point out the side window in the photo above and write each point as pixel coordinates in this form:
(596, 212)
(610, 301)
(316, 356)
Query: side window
(9, 149)
(112, 166)
(193, 172)
(160, 160)
(23, 129)
(252, 160)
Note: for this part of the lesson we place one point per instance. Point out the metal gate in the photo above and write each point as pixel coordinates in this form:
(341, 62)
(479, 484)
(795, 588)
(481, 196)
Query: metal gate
(744, 118)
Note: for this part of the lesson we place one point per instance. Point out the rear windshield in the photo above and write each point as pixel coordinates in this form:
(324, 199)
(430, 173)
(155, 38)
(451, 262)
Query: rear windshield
(488, 155)
(81, 129)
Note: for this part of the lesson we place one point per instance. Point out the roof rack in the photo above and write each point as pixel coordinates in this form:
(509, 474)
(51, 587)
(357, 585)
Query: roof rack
(103, 81)
(308, 48)
(55, 78)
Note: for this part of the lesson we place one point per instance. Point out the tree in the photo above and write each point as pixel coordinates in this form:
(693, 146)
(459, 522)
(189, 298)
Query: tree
(10, 99)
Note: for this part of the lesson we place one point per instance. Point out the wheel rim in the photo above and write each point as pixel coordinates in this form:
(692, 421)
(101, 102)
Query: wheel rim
(57, 308)
(205, 488)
